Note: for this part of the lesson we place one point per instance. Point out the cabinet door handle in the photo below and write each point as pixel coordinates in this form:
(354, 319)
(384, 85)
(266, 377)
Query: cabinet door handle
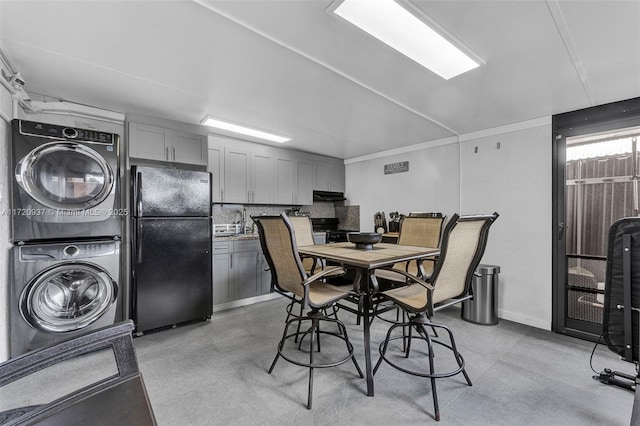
(166, 153)
(221, 194)
(174, 153)
(231, 261)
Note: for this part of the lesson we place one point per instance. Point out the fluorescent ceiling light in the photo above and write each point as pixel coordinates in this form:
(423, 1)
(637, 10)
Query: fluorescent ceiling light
(218, 124)
(401, 29)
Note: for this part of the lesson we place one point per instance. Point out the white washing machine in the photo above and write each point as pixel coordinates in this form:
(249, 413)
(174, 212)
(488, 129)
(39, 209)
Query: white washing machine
(60, 290)
(65, 183)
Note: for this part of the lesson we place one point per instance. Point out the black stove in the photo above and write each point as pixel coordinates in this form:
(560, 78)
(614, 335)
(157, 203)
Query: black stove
(329, 225)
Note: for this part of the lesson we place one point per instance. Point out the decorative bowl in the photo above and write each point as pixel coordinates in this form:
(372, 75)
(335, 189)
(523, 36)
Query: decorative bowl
(364, 240)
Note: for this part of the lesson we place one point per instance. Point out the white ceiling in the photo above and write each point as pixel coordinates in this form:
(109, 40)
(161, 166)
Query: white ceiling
(292, 68)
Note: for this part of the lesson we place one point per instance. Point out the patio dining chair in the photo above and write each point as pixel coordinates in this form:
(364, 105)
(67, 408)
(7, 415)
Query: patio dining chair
(290, 279)
(463, 244)
(303, 231)
(417, 229)
(420, 231)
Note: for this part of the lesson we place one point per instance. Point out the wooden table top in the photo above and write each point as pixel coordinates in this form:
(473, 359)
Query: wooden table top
(382, 254)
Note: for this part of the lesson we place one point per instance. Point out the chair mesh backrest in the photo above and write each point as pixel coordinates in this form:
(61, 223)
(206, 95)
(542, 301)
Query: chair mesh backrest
(303, 230)
(279, 248)
(420, 231)
(462, 248)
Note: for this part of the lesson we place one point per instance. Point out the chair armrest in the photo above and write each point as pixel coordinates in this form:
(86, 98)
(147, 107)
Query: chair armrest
(323, 273)
(411, 278)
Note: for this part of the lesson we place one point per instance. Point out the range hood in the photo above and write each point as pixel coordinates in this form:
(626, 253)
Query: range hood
(328, 196)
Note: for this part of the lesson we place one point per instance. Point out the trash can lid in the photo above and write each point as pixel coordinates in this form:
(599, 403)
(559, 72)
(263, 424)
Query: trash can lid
(487, 269)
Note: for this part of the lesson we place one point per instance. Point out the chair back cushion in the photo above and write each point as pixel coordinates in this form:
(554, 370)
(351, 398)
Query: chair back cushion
(279, 248)
(420, 231)
(303, 230)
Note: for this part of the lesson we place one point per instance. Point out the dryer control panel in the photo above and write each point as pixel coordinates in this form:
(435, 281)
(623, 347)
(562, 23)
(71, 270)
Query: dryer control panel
(67, 251)
(52, 131)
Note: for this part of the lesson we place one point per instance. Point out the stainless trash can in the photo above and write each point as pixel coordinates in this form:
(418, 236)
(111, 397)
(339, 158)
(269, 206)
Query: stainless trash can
(483, 308)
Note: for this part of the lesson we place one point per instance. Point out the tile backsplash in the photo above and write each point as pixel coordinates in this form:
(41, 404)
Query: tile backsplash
(349, 216)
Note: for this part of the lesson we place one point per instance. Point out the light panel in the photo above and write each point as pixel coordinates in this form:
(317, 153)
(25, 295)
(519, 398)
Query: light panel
(400, 29)
(243, 130)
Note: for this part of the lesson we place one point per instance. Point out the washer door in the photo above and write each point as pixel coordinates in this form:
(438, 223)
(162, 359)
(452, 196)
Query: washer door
(65, 175)
(67, 297)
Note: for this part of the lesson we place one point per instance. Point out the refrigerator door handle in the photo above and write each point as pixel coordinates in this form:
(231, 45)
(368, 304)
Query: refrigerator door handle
(138, 195)
(138, 240)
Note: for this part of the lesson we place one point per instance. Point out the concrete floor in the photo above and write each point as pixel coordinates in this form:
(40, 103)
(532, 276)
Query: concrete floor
(215, 373)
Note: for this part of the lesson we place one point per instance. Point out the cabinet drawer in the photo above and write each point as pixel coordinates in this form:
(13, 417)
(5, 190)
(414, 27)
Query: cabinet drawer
(247, 245)
(222, 247)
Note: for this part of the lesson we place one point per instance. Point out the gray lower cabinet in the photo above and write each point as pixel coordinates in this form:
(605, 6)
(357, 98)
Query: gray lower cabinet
(238, 271)
(222, 292)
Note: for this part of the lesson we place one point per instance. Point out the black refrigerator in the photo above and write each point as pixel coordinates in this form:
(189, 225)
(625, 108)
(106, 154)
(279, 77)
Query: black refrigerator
(170, 247)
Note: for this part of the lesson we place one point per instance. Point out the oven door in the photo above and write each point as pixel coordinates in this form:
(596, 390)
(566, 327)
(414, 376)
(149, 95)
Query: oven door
(65, 176)
(67, 297)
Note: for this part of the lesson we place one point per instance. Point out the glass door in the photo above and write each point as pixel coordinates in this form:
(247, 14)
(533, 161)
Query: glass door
(595, 182)
(601, 187)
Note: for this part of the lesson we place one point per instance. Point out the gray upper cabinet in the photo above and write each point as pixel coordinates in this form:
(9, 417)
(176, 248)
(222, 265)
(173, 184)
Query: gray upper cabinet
(304, 181)
(329, 177)
(150, 142)
(166, 143)
(294, 179)
(322, 177)
(250, 173)
(337, 177)
(237, 176)
(188, 148)
(285, 180)
(262, 178)
(216, 167)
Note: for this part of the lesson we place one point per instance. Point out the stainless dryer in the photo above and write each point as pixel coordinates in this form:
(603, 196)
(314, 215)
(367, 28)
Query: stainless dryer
(60, 290)
(64, 182)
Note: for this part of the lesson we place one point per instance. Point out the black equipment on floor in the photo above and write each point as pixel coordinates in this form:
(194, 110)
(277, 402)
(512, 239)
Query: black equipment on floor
(621, 320)
(111, 399)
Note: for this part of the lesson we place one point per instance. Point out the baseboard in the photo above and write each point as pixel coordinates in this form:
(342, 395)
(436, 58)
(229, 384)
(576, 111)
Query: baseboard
(523, 319)
(245, 302)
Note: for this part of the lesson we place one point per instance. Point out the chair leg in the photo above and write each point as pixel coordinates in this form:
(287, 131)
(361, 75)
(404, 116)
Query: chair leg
(384, 349)
(335, 316)
(314, 324)
(343, 331)
(299, 323)
(457, 355)
(280, 346)
(432, 372)
(408, 338)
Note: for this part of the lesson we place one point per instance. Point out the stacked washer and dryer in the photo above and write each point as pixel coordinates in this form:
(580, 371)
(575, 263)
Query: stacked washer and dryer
(66, 232)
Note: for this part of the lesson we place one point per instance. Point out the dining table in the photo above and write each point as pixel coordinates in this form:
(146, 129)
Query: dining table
(365, 262)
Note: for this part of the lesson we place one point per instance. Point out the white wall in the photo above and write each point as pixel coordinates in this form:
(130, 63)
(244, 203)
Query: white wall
(431, 184)
(5, 126)
(514, 180)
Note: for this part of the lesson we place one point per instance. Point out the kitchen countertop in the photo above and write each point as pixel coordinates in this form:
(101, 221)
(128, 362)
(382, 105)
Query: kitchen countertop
(236, 237)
